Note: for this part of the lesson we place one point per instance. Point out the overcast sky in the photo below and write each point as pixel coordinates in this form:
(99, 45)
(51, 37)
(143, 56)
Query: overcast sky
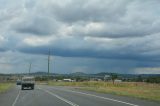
(88, 36)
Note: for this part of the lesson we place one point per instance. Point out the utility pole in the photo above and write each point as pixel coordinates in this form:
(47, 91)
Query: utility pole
(30, 68)
(48, 64)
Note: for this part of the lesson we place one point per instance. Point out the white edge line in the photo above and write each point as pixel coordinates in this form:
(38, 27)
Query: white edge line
(15, 101)
(106, 98)
(100, 97)
(65, 100)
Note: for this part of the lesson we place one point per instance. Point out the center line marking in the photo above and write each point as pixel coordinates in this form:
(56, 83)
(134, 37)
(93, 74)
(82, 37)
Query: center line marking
(15, 101)
(61, 98)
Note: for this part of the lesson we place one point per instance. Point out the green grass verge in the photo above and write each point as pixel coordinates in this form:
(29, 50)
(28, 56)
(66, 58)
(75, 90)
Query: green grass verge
(138, 90)
(5, 86)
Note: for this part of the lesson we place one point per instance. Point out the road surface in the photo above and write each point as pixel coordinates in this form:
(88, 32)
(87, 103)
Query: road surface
(44, 95)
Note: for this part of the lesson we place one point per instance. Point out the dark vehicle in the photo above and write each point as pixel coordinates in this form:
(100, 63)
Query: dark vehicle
(28, 82)
(18, 82)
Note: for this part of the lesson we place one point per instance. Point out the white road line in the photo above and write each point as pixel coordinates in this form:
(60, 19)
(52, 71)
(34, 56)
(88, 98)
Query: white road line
(65, 100)
(110, 99)
(15, 101)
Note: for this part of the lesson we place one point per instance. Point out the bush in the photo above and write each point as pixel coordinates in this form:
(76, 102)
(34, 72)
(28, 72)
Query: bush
(153, 80)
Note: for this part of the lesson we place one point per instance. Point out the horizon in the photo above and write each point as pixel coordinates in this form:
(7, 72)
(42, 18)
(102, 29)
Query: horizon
(78, 72)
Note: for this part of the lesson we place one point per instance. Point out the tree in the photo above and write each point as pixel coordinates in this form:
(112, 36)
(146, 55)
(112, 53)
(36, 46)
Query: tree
(153, 79)
(113, 77)
(139, 79)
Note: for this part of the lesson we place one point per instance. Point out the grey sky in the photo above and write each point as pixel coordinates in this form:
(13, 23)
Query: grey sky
(84, 35)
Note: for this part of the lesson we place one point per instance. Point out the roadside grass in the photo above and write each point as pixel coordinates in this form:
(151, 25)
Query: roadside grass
(133, 89)
(5, 86)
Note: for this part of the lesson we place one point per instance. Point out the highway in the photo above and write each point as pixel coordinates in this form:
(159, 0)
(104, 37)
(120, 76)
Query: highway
(44, 95)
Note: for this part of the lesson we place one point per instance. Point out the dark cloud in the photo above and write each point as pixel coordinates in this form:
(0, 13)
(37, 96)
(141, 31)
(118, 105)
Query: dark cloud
(114, 19)
(37, 26)
(120, 18)
(2, 50)
(98, 10)
(116, 54)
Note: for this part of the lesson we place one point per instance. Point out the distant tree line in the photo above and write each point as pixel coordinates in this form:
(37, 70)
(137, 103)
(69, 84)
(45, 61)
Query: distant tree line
(61, 77)
(113, 77)
(153, 80)
(149, 79)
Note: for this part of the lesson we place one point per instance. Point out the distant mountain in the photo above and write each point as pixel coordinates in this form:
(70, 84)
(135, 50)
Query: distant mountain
(40, 73)
(78, 74)
(44, 73)
(102, 74)
(98, 75)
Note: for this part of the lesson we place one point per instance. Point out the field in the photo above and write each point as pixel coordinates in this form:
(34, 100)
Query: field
(5, 86)
(138, 90)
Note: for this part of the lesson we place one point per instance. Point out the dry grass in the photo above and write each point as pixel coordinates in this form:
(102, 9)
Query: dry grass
(138, 90)
(5, 86)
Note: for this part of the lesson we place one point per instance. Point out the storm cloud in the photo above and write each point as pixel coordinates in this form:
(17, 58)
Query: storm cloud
(120, 36)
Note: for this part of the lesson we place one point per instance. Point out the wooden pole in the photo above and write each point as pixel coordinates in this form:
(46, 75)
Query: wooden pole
(30, 68)
(48, 65)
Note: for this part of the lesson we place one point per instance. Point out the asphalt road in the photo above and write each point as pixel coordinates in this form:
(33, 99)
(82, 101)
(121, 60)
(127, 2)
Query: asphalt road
(44, 95)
